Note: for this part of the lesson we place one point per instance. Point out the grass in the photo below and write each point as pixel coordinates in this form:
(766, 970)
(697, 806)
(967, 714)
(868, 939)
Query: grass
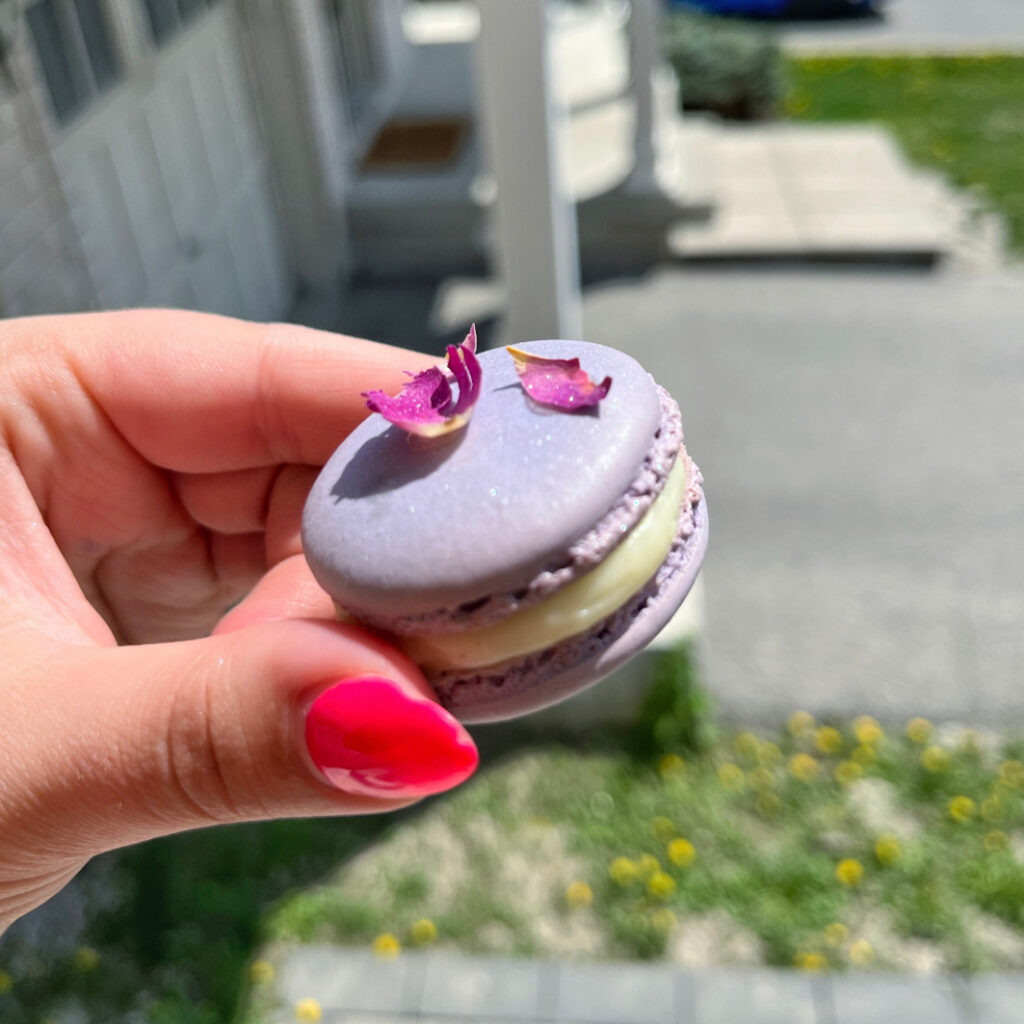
(961, 115)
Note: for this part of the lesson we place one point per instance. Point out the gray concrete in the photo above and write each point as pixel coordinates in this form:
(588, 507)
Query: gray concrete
(860, 435)
(932, 26)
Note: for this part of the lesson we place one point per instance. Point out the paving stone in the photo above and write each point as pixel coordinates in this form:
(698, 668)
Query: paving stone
(345, 980)
(753, 997)
(613, 993)
(476, 987)
(996, 998)
(909, 1000)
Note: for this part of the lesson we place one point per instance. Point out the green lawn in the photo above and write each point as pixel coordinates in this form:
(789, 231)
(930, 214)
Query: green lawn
(962, 115)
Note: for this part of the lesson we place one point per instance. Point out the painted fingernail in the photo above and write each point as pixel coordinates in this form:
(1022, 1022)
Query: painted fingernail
(367, 735)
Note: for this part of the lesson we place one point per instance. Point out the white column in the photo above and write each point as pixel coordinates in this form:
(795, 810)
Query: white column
(536, 243)
(643, 55)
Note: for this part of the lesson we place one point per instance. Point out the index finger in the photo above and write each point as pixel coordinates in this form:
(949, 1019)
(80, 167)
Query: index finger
(197, 393)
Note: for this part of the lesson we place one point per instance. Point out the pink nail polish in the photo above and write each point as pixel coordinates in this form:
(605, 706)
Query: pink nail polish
(368, 736)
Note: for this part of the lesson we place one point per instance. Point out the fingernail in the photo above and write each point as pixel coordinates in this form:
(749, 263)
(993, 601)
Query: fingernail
(367, 735)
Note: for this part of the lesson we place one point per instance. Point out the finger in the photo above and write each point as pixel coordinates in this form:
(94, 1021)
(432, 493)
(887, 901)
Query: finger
(199, 393)
(282, 719)
(287, 591)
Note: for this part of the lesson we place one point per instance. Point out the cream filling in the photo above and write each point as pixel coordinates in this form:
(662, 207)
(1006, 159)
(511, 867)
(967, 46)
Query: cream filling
(571, 610)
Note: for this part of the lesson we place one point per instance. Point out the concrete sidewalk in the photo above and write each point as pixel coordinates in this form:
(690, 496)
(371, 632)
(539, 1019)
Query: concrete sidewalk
(352, 987)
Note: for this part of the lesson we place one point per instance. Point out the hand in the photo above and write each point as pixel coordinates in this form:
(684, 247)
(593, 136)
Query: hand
(153, 469)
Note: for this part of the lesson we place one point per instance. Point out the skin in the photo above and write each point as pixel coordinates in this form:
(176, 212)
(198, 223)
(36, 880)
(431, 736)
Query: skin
(153, 468)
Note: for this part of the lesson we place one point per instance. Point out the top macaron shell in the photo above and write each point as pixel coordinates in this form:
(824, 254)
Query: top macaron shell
(399, 525)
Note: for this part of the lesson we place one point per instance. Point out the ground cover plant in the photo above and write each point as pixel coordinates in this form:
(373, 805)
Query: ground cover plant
(962, 115)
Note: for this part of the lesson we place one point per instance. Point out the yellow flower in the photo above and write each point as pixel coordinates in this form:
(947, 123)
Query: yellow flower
(661, 885)
(623, 870)
(648, 864)
(671, 766)
(867, 730)
(663, 828)
(1011, 773)
(863, 754)
(386, 946)
(746, 745)
(888, 850)
(768, 804)
(761, 778)
(731, 776)
(996, 840)
(6, 983)
(835, 934)
(810, 962)
(991, 808)
(848, 772)
(423, 932)
(308, 1011)
(849, 871)
(919, 730)
(800, 723)
(803, 767)
(768, 754)
(261, 972)
(828, 740)
(86, 959)
(961, 808)
(860, 953)
(578, 895)
(681, 852)
(663, 920)
(935, 759)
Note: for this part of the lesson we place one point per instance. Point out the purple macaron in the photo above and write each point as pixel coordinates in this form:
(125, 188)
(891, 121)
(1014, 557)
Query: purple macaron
(465, 549)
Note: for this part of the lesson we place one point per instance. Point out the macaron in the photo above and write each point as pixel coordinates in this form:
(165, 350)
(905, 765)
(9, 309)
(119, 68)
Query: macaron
(527, 554)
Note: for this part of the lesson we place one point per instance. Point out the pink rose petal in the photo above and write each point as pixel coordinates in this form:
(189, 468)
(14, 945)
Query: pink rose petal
(557, 382)
(425, 405)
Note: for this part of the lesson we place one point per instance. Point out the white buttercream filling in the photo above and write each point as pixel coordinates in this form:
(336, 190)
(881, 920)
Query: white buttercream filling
(576, 607)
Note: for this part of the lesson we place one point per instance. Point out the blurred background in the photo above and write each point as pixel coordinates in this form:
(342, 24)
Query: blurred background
(805, 218)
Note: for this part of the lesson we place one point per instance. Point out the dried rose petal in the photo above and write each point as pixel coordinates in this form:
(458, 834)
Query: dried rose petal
(425, 405)
(557, 382)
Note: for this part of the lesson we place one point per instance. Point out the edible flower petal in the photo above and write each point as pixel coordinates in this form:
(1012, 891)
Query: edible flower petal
(557, 382)
(425, 406)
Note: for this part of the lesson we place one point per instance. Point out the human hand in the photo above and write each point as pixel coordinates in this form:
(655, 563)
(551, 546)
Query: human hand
(153, 469)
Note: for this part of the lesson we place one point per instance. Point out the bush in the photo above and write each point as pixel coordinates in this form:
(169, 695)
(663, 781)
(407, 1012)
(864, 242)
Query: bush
(726, 67)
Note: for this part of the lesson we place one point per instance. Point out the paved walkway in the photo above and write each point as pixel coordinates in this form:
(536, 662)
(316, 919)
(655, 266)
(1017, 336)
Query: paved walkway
(354, 988)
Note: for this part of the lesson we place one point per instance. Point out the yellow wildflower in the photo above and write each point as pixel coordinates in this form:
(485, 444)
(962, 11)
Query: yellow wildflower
(961, 808)
(578, 895)
(671, 766)
(423, 932)
(828, 740)
(761, 778)
(803, 767)
(1011, 773)
(86, 959)
(6, 983)
(919, 730)
(261, 972)
(849, 871)
(768, 754)
(991, 808)
(746, 745)
(648, 864)
(663, 828)
(810, 962)
(935, 759)
(800, 723)
(731, 776)
(848, 772)
(623, 870)
(867, 730)
(681, 852)
(996, 840)
(768, 804)
(863, 754)
(888, 850)
(860, 953)
(661, 885)
(835, 934)
(663, 920)
(308, 1011)
(386, 946)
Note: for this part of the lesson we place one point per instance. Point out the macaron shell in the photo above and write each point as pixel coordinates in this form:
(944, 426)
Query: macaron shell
(397, 525)
(479, 705)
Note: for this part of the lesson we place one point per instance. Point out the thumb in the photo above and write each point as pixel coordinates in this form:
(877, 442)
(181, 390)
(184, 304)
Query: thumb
(280, 719)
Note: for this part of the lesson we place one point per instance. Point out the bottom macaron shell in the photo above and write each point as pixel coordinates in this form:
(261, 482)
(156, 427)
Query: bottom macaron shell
(474, 703)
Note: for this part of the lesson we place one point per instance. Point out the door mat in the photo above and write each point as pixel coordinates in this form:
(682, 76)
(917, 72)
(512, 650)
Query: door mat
(407, 144)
